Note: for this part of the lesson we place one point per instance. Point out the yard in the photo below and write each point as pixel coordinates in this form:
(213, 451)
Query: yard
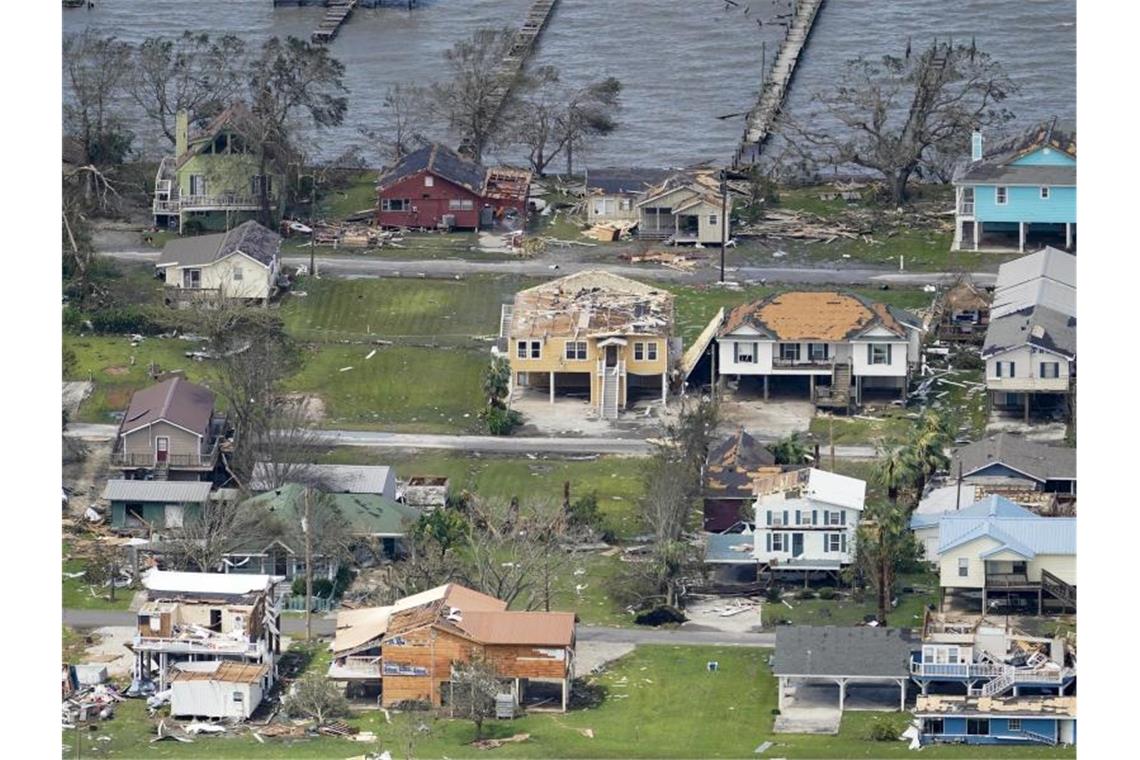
(659, 701)
(846, 610)
(79, 595)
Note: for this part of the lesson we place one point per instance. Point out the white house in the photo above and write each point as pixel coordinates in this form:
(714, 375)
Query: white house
(684, 210)
(612, 193)
(241, 264)
(835, 346)
(806, 520)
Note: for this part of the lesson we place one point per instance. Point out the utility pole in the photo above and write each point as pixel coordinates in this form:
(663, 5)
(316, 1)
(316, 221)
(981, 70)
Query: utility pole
(306, 524)
(831, 438)
(723, 217)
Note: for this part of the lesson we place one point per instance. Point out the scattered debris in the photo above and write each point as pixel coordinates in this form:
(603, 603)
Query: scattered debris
(495, 743)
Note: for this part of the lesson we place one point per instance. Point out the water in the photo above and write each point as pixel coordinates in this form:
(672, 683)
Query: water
(682, 62)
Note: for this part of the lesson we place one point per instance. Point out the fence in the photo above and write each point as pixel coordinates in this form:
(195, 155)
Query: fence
(296, 603)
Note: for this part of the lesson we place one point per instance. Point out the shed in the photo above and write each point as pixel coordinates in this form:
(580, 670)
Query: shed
(217, 689)
(155, 503)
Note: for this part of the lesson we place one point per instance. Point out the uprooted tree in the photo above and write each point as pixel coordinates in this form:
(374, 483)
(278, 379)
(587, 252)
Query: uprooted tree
(901, 116)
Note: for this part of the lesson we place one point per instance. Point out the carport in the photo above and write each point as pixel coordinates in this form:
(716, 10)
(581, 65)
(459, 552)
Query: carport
(842, 656)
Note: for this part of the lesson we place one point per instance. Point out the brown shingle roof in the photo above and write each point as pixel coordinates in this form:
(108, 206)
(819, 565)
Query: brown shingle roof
(540, 629)
(228, 672)
(813, 315)
(177, 401)
(734, 464)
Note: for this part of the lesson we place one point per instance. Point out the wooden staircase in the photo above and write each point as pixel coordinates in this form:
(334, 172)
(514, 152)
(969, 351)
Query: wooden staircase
(838, 395)
(1059, 589)
(611, 388)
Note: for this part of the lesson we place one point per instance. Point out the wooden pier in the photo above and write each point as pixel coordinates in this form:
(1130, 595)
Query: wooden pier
(776, 82)
(337, 13)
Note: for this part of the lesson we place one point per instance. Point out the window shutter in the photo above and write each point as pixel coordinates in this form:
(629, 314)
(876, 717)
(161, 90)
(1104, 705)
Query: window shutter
(889, 347)
(826, 548)
(735, 351)
(798, 517)
(769, 516)
(869, 352)
(768, 542)
(785, 517)
(843, 517)
(756, 352)
(814, 517)
(1012, 369)
(843, 542)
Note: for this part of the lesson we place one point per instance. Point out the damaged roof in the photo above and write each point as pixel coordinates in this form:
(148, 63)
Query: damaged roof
(613, 180)
(818, 315)
(965, 295)
(816, 485)
(176, 400)
(223, 671)
(1039, 326)
(249, 238)
(1005, 707)
(368, 514)
(592, 303)
(999, 164)
(1039, 461)
(828, 650)
(734, 464)
(235, 116)
(539, 629)
(162, 583)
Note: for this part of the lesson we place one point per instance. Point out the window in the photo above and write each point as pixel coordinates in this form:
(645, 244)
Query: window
(879, 353)
(197, 184)
(1015, 724)
(238, 274)
(1001, 195)
(790, 352)
(638, 351)
(779, 542)
(833, 542)
(963, 567)
(1044, 193)
(429, 181)
(623, 204)
(651, 351)
(1005, 369)
(712, 220)
(1050, 370)
(191, 278)
(978, 726)
(817, 352)
(536, 349)
(395, 204)
(575, 350)
(934, 726)
(256, 182)
(744, 353)
(238, 697)
(834, 517)
(461, 204)
(134, 514)
(520, 351)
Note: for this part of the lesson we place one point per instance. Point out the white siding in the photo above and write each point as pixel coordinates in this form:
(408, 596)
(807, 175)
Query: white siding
(726, 353)
(214, 699)
(897, 367)
(1027, 370)
(814, 534)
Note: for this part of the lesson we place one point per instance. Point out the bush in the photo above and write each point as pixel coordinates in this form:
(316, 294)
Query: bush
(805, 593)
(322, 587)
(584, 512)
(500, 421)
(882, 731)
(72, 319)
(827, 592)
(772, 594)
(124, 320)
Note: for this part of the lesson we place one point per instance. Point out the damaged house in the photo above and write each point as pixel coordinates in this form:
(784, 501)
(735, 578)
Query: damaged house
(212, 628)
(612, 193)
(732, 467)
(838, 348)
(963, 312)
(241, 264)
(406, 651)
(435, 187)
(592, 335)
(685, 209)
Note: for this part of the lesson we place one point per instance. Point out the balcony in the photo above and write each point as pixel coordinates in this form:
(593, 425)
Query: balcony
(955, 670)
(205, 459)
(356, 668)
(1022, 384)
(212, 645)
(823, 364)
(966, 208)
(1009, 580)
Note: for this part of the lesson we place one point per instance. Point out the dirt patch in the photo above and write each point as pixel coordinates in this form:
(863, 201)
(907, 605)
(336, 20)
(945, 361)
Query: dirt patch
(74, 393)
(117, 371)
(110, 650)
(84, 478)
(729, 615)
(313, 406)
(592, 656)
(775, 418)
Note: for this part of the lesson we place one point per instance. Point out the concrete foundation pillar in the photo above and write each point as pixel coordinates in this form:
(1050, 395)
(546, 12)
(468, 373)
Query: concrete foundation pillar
(565, 694)
(1068, 234)
(1027, 408)
(811, 387)
(765, 387)
(781, 687)
(552, 387)
(924, 686)
(977, 234)
(902, 695)
(842, 692)
(664, 387)
(1021, 229)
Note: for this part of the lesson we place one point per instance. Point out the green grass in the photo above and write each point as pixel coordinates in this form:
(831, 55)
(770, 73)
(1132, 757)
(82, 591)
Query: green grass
(357, 193)
(74, 645)
(78, 595)
(615, 480)
(415, 246)
(400, 388)
(847, 611)
(396, 309)
(660, 702)
(893, 425)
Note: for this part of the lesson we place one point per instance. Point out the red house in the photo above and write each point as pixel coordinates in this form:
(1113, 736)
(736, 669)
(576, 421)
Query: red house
(436, 187)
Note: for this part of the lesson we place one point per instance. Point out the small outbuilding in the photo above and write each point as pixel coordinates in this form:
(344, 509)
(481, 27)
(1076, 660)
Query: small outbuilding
(218, 689)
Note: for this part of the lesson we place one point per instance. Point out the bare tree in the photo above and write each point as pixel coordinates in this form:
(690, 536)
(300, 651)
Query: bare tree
(518, 555)
(202, 543)
(900, 114)
(555, 120)
(315, 696)
(192, 72)
(286, 447)
(474, 687)
(95, 70)
(402, 120)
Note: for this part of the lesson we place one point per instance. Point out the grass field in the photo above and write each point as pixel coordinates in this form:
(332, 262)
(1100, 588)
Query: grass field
(659, 702)
(847, 611)
(78, 595)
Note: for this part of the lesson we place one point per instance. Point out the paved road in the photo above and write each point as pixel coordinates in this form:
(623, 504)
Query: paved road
(292, 624)
(484, 443)
(366, 267)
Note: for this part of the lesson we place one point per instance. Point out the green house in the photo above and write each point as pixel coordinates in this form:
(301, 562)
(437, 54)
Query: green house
(214, 180)
(155, 505)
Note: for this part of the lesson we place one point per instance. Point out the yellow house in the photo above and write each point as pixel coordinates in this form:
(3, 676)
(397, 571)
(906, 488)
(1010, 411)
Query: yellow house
(592, 333)
(1009, 555)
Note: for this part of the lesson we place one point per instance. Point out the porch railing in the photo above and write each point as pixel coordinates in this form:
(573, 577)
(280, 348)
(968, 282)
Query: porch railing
(966, 208)
(827, 363)
(956, 670)
(1001, 580)
(207, 457)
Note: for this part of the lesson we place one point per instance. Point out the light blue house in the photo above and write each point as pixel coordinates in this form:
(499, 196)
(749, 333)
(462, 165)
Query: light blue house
(1022, 192)
(1041, 719)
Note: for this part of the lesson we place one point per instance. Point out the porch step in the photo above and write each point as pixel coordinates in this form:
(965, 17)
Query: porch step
(610, 396)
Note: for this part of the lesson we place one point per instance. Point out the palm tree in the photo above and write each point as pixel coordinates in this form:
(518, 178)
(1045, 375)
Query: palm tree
(926, 449)
(894, 470)
(884, 545)
(789, 450)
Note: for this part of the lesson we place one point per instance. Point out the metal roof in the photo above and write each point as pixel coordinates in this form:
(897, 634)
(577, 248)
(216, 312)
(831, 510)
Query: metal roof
(1039, 461)
(1038, 292)
(177, 401)
(1011, 526)
(367, 513)
(829, 650)
(1039, 326)
(235, 584)
(335, 478)
(165, 491)
(1050, 263)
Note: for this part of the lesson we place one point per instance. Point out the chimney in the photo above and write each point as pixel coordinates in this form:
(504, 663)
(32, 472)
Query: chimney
(181, 132)
(976, 143)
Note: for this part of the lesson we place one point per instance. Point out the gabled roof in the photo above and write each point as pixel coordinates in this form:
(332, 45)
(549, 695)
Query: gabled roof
(817, 315)
(249, 238)
(538, 629)
(1049, 263)
(590, 303)
(734, 464)
(612, 180)
(1040, 327)
(368, 514)
(235, 116)
(1039, 292)
(1011, 526)
(442, 162)
(176, 400)
(990, 506)
(334, 478)
(162, 491)
(1038, 461)
(816, 485)
(828, 650)
(999, 164)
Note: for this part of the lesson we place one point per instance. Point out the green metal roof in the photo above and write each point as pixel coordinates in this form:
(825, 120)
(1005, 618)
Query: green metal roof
(368, 514)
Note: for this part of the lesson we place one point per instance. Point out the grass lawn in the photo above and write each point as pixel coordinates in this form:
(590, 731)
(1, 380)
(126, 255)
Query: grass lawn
(615, 480)
(78, 595)
(847, 611)
(356, 193)
(74, 645)
(893, 425)
(660, 701)
(400, 388)
(415, 246)
(394, 309)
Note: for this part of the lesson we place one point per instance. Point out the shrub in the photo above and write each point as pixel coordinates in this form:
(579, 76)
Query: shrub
(805, 593)
(584, 512)
(322, 587)
(882, 731)
(72, 319)
(827, 592)
(500, 421)
(772, 594)
(124, 320)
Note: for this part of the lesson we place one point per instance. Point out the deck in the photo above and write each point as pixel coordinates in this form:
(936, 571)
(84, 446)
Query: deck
(337, 13)
(776, 83)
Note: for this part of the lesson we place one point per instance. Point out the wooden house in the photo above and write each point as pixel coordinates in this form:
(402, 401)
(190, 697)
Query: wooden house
(405, 652)
(595, 335)
(435, 187)
(214, 180)
(612, 193)
(242, 264)
(685, 209)
(170, 431)
(148, 505)
(1021, 193)
(963, 312)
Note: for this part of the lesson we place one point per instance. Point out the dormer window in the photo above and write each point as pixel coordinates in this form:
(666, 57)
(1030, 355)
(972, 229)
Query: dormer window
(429, 181)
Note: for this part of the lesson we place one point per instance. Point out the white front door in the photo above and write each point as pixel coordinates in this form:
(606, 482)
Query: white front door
(173, 515)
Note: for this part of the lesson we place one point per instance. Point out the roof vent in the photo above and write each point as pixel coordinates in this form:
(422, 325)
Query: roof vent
(1037, 331)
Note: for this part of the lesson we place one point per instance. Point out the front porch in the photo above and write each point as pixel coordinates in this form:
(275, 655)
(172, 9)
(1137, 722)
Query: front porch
(971, 234)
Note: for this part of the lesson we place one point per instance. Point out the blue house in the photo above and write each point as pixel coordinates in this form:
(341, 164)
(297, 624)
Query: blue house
(1023, 191)
(1048, 720)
